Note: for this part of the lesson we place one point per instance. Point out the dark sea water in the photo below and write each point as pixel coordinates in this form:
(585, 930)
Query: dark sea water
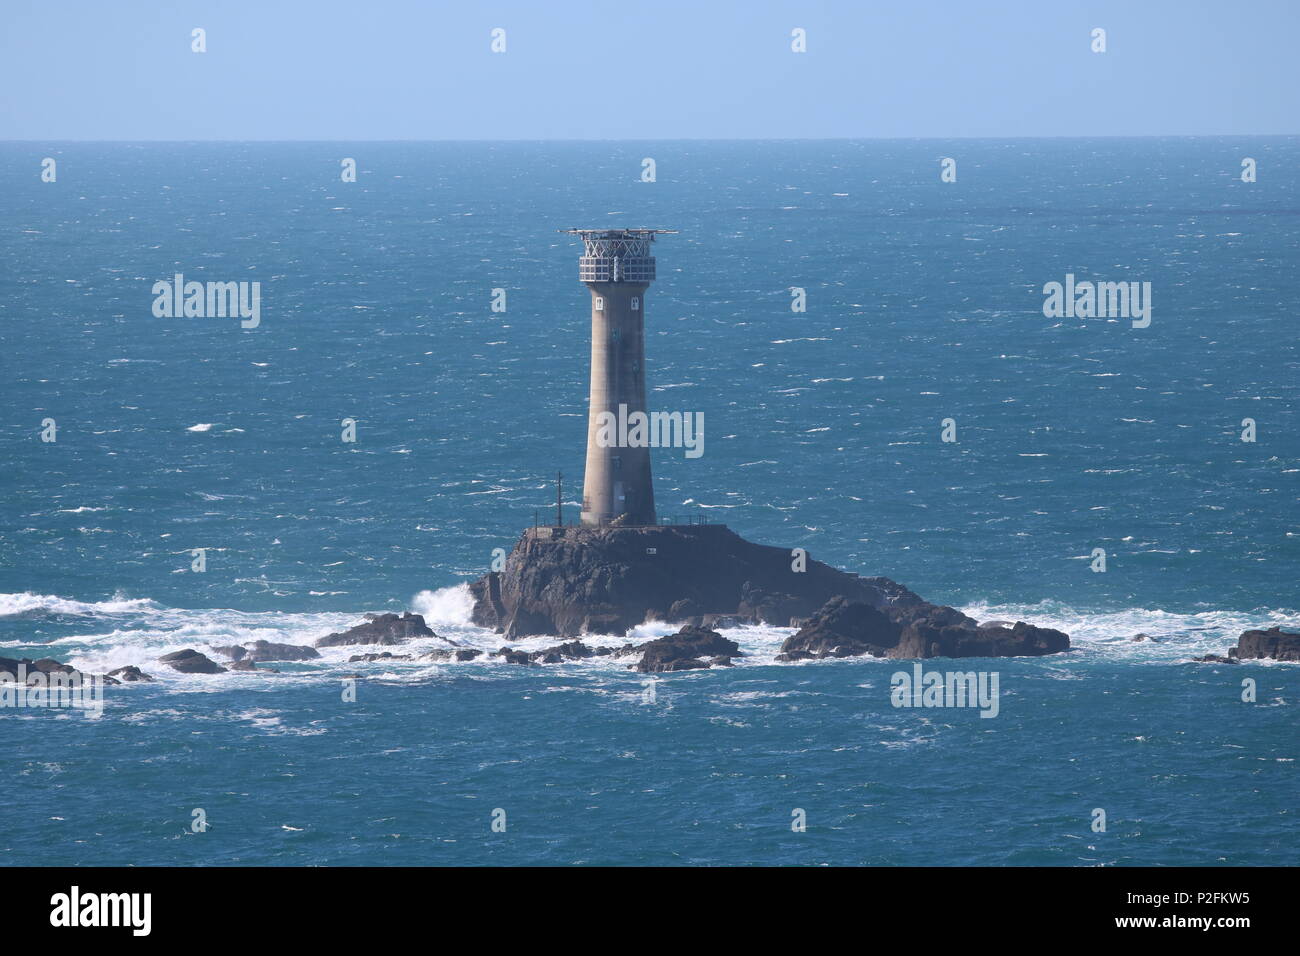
(822, 432)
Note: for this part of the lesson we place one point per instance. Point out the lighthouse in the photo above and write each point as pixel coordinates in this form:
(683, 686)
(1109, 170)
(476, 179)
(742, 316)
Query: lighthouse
(617, 268)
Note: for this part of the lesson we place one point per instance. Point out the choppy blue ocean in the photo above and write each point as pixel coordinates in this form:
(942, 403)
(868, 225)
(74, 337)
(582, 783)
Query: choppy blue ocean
(924, 302)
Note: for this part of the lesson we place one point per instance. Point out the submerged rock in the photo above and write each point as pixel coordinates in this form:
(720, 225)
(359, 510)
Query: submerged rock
(1214, 659)
(1275, 643)
(130, 674)
(190, 661)
(380, 629)
(846, 628)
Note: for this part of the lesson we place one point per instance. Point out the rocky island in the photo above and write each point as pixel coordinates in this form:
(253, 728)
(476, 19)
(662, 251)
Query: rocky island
(1274, 643)
(569, 581)
(622, 567)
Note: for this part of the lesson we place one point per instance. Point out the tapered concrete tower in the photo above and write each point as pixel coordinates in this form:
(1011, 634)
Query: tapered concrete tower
(617, 267)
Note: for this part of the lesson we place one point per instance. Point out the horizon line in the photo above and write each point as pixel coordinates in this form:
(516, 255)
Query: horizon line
(680, 139)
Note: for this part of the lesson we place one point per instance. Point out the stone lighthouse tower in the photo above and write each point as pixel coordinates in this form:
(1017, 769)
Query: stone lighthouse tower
(617, 267)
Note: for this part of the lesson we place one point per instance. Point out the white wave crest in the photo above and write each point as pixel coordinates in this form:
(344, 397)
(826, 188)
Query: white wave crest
(26, 604)
(451, 605)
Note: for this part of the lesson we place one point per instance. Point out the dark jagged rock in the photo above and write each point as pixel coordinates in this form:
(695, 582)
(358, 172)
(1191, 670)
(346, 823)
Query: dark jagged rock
(676, 664)
(624, 650)
(572, 651)
(842, 628)
(190, 661)
(715, 621)
(940, 636)
(130, 675)
(385, 656)
(247, 665)
(586, 580)
(846, 628)
(569, 651)
(684, 610)
(1275, 643)
(769, 607)
(263, 651)
(512, 656)
(44, 666)
(685, 650)
(1215, 659)
(461, 654)
(380, 629)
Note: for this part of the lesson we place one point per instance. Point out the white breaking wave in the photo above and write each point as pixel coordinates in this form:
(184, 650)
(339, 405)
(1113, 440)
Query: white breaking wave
(138, 631)
(1172, 636)
(445, 606)
(26, 604)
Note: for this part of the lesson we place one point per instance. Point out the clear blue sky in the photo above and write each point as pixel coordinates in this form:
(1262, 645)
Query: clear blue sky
(645, 69)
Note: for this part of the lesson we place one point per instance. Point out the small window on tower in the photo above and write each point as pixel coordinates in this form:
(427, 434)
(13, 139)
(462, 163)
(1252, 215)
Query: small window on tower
(636, 303)
(600, 304)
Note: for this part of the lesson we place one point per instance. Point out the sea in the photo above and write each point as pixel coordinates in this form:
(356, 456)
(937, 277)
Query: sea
(835, 309)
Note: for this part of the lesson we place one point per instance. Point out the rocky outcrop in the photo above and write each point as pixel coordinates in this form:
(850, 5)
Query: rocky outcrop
(847, 628)
(190, 661)
(380, 629)
(584, 580)
(12, 667)
(769, 607)
(130, 675)
(842, 628)
(460, 654)
(1215, 659)
(263, 651)
(686, 650)
(1275, 644)
(511, 656)
(569, 651)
